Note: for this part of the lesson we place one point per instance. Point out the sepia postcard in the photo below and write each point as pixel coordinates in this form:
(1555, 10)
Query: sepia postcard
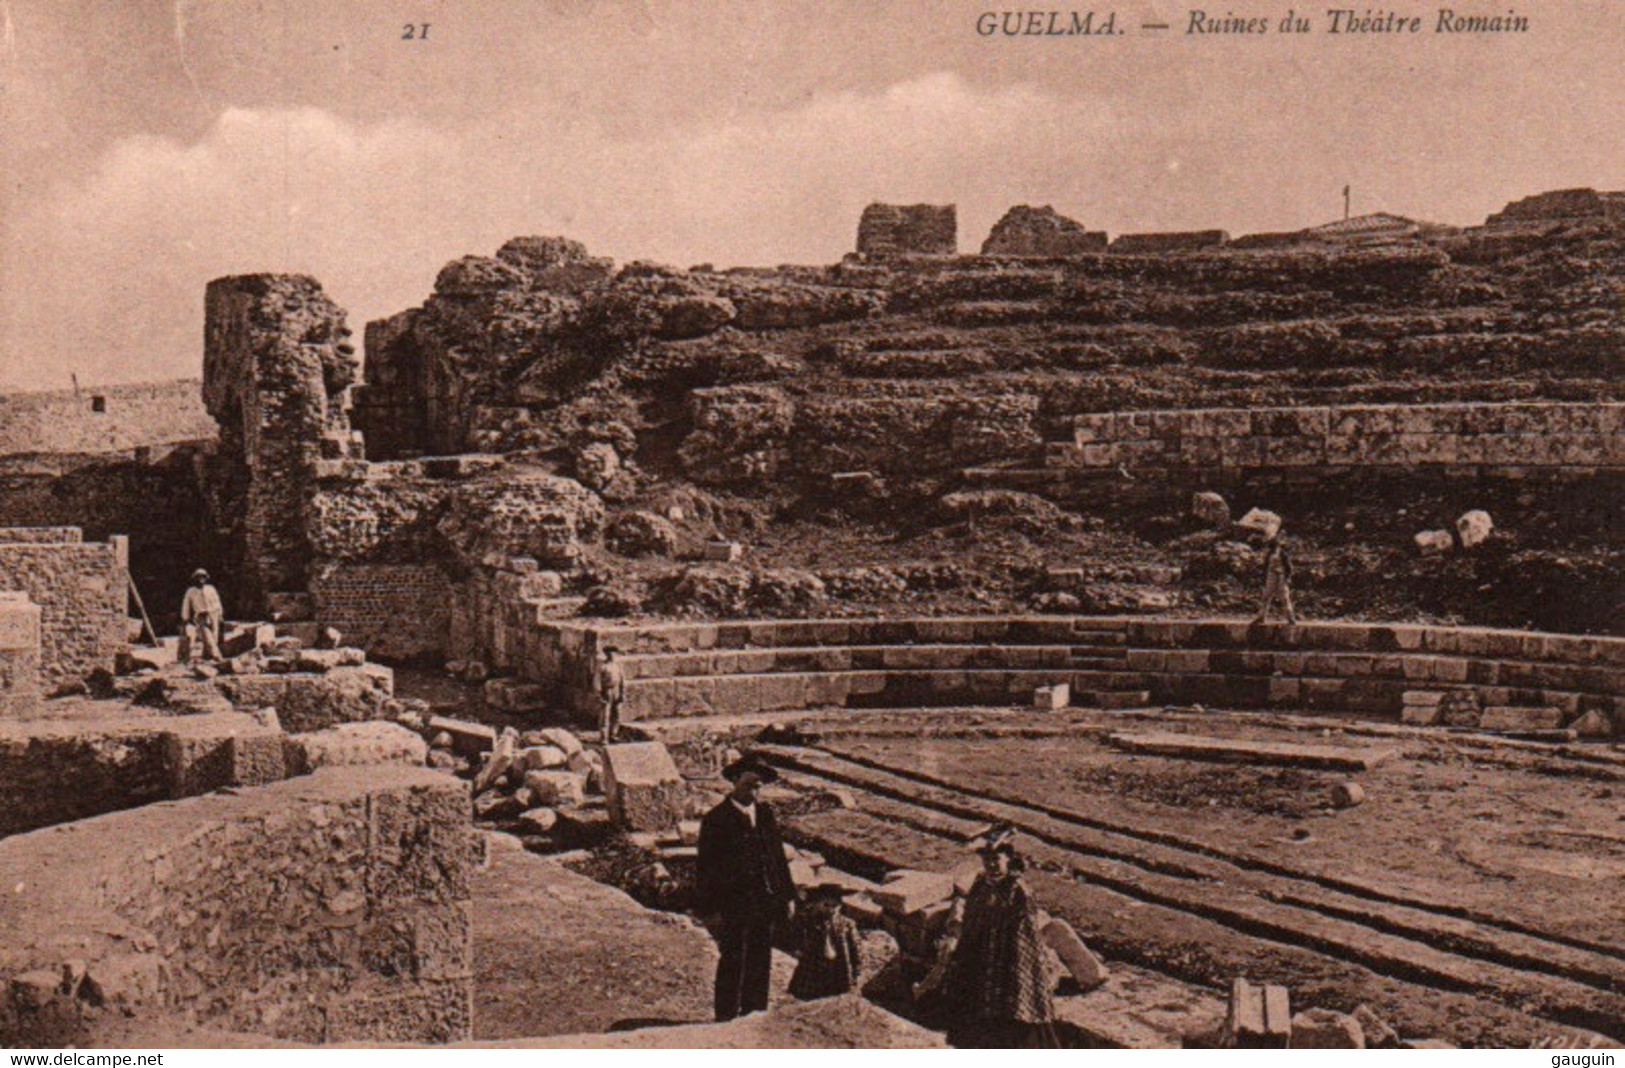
(864, 524)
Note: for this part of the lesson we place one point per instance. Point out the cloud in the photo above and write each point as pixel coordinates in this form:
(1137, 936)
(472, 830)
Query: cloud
(118, 262)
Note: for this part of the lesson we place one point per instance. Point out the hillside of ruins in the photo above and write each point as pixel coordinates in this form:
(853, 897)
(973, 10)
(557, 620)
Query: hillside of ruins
(947, 539)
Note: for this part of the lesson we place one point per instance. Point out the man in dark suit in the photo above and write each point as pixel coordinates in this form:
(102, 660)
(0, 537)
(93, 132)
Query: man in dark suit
(744, 881)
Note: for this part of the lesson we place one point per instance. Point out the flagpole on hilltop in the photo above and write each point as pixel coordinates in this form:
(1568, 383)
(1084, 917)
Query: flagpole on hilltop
(1345, 202)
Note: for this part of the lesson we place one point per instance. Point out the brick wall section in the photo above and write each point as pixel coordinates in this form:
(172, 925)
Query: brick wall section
(329, 908)
(132, 416)
(784, 665)
(19, 654)
(395, 611)
(82, 591)
(1481, 435)
(917, 229)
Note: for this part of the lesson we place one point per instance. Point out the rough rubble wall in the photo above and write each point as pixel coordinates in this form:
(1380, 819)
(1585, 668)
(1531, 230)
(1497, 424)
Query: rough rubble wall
(391, 407)
(1178, 241)
(101, 419)
(153, 498)
(1522, 435)
(19, 654)
(81, 590)
(276, 365)
(395, 611)
(913, 229)
(329, 908)
(1027, 231)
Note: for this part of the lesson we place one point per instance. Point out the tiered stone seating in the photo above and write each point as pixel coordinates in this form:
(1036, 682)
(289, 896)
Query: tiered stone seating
(679, 669)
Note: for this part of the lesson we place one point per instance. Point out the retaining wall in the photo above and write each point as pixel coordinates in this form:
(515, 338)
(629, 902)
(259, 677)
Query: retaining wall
(329, 908)
(773, 665)
(1528, 436)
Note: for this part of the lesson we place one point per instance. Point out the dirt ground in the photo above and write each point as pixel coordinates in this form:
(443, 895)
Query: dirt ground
(1506, 833)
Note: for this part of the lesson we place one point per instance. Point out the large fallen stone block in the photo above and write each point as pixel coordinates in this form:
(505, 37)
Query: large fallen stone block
(1262, 521)
(643, 787)
(905, 892)
(1326, 1029)
(1211, 509)
(1434, 542)
(1474, 528)
(1594, 724)
(209, 751)
(1086, 969)
(1052, 698)
(556, 789)
(469, 739)
(350, 744)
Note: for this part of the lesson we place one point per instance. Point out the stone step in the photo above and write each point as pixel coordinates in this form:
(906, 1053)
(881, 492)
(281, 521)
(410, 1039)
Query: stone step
(1100, 663)
(1112, 699)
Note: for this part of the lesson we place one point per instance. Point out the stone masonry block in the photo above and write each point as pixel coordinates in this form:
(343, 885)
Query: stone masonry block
(643, 787)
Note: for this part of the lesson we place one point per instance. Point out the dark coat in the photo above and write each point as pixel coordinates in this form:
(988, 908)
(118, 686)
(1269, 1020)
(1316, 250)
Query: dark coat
(742, 870)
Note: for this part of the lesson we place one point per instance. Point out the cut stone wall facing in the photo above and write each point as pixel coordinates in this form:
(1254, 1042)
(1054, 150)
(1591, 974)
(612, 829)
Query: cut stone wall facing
(329, 908)
(913, 229)
(81, 590)
(1390, 435)
(1027, 231)
(783, 665)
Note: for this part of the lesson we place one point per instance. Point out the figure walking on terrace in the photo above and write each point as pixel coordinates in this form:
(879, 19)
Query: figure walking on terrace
(202, 612)
(745, 888)
(1277, 580)
(610, 682)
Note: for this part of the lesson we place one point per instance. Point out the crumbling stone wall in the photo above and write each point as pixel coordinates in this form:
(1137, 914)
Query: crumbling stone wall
(81, 590)
(1028, 231)
(276, 365)
(1561, 204)
(1177, 241)
(913, 229)
(333, 907)
(102, 419)
(1502, 435)
(19, 654)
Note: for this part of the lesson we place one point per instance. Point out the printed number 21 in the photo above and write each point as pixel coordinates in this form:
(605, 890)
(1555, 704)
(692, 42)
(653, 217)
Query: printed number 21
(415, 31)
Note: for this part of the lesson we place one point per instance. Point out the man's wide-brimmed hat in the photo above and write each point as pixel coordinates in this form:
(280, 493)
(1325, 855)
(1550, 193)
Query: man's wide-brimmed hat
(763, 770)
(200, 574)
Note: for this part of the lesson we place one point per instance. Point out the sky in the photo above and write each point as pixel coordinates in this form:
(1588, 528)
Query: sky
(148, 147)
